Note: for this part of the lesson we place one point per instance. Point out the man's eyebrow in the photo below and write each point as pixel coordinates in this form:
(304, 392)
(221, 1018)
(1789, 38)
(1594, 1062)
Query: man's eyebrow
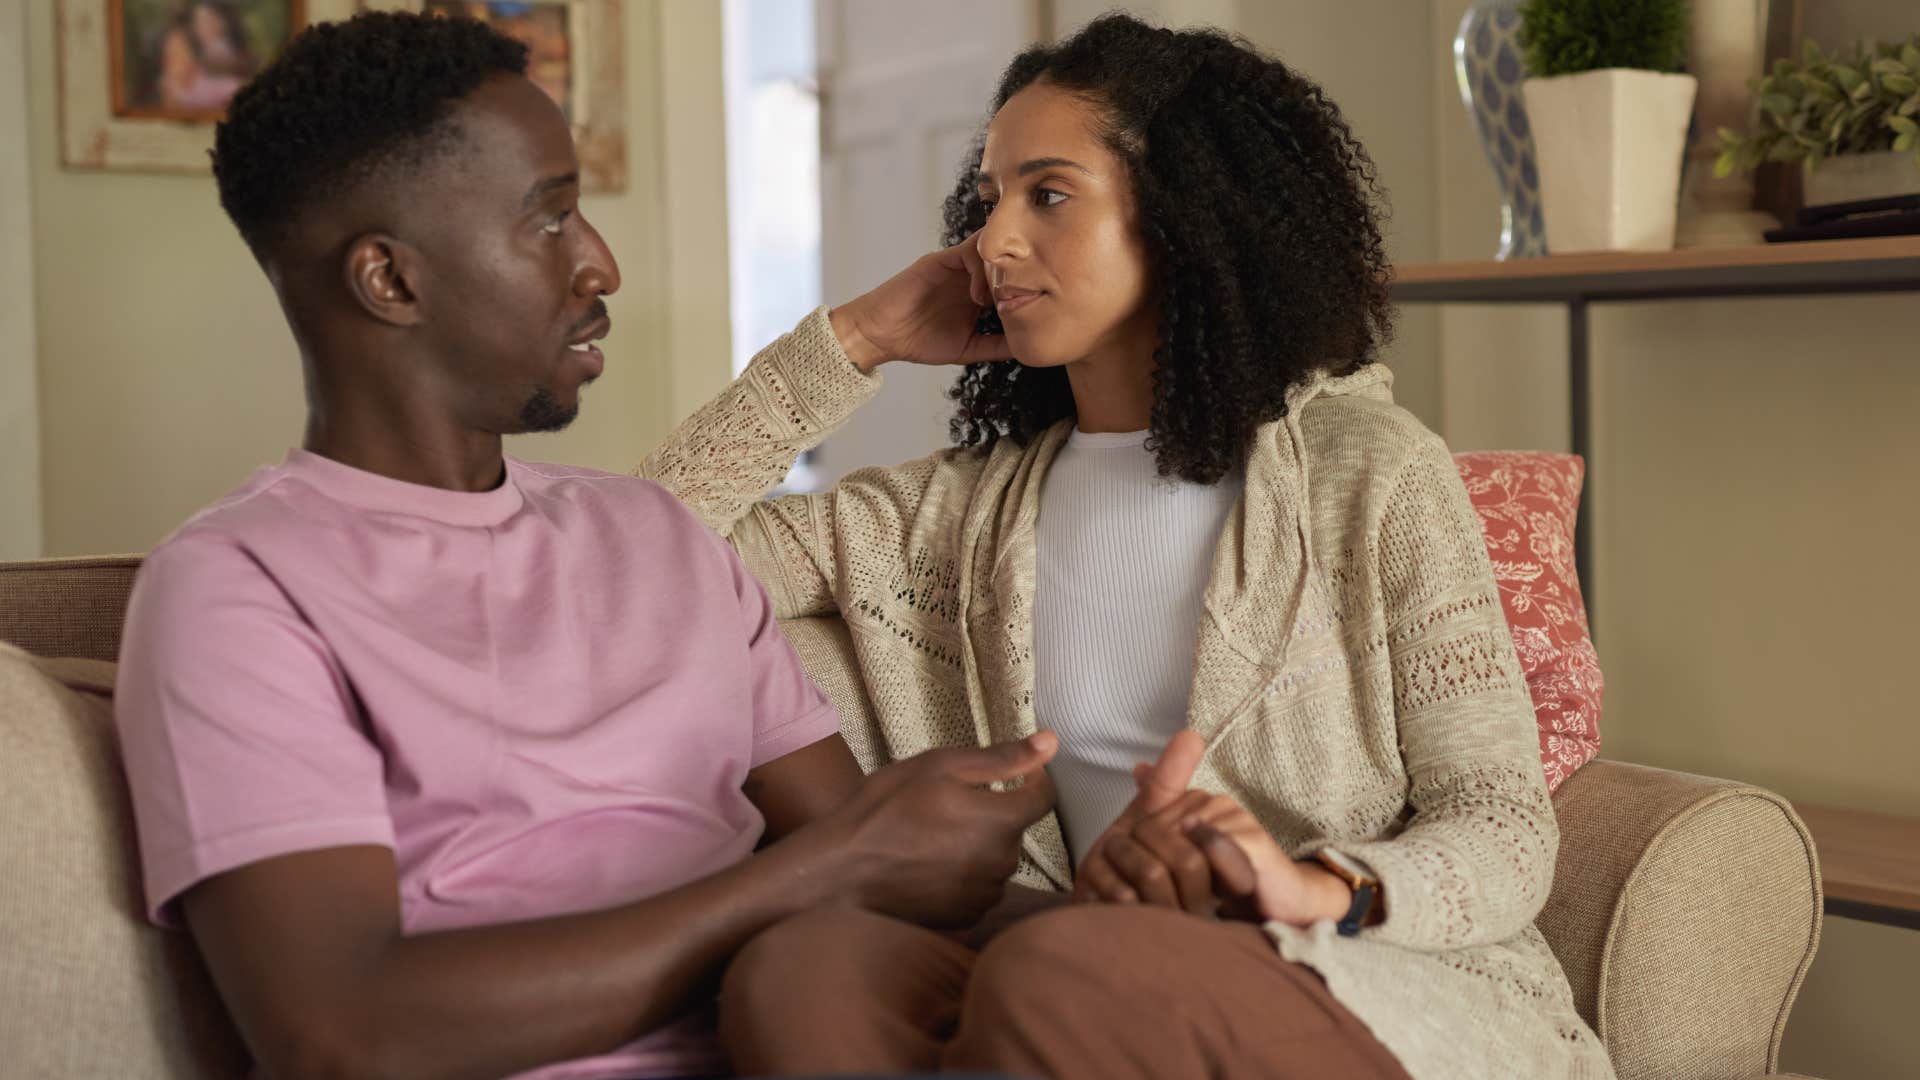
(538, 190)
(1028, 168)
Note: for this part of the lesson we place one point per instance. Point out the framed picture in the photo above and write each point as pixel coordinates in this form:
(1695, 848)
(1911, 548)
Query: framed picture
(576, 54)
(143, 81)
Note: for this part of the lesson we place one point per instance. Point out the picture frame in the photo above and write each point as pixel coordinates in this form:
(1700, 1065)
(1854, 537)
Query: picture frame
(578, 57)
(142, 82)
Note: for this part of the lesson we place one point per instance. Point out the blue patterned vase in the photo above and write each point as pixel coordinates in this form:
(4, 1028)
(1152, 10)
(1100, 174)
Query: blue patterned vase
(1489, 64)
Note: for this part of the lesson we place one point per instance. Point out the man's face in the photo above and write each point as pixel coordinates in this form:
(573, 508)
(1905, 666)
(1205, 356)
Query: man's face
(516, 273)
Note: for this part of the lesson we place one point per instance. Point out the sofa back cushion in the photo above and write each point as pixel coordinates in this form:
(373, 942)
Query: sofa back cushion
(66, 607)
(90, 987)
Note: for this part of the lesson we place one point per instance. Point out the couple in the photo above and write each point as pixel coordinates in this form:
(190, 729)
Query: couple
(456, 765)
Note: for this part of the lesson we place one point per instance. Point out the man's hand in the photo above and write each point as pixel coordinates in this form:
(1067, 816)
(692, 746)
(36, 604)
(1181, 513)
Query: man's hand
(925, 840)
(1162, 784)
(1203, 853)
(924, 314)
(1253, 876)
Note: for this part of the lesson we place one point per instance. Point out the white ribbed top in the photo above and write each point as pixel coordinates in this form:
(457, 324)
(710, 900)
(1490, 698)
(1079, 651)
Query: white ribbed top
(1116, 543)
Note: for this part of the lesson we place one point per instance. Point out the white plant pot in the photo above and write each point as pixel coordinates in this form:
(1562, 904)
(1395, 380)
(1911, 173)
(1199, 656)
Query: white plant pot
(1853, 177)
(1609, 144)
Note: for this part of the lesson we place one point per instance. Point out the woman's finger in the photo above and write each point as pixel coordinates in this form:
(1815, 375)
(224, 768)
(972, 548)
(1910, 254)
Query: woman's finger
(977, 285)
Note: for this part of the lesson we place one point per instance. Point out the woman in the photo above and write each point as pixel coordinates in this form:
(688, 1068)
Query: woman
(1189, 515)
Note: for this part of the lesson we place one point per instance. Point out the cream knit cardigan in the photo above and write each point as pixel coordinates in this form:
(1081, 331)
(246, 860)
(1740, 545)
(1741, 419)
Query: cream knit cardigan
(1354, 679)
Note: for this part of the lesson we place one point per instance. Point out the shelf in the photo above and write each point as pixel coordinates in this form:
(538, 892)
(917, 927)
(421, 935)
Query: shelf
(1882, 264)
(1869, 863)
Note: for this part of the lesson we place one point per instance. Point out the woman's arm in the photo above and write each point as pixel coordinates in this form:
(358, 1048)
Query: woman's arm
(1475, 863)
(724, 458)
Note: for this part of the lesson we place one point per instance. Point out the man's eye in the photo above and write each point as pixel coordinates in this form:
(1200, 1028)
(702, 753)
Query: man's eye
(552, 228)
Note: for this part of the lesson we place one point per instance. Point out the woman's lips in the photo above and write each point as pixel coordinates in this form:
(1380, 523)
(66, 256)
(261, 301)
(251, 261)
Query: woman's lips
(1007, 301)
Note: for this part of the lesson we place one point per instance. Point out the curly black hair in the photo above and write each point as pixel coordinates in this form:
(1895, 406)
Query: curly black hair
(1261, 218)
(346, 102)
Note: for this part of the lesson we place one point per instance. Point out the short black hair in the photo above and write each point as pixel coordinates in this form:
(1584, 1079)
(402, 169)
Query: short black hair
(347, 101)
(1261, 216)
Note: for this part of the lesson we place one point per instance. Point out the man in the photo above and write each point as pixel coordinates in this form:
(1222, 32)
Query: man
(455, 765)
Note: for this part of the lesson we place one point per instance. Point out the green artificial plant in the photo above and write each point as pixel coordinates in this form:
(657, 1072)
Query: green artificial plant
(1566, 37)
(1825, 106)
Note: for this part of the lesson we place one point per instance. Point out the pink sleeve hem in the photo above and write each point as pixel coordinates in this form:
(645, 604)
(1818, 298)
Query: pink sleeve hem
(804, 730)
(174, 873)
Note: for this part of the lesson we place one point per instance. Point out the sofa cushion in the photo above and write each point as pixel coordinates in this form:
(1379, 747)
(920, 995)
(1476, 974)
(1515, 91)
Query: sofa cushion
(1527, 502)
(78, 955)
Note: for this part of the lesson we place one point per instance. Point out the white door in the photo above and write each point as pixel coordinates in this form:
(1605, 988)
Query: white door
(904, 87)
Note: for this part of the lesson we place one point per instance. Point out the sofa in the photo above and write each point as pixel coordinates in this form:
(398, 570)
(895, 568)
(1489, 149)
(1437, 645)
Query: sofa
(1685, 909)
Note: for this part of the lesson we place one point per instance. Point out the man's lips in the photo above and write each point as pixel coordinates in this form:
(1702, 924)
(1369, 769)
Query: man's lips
(1008, 299)
(600, 328)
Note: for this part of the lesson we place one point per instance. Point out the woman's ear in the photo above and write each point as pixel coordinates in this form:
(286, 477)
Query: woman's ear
(383, 275)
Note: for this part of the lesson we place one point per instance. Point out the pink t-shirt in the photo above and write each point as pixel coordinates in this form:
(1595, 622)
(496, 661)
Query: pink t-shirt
(544, 698)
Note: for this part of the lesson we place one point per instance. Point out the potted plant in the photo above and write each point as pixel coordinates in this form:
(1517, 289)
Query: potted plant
(1851, 120)
(1609, 113)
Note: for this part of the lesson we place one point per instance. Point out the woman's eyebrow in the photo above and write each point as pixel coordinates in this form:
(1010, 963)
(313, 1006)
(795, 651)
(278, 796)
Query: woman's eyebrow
(1037, 164)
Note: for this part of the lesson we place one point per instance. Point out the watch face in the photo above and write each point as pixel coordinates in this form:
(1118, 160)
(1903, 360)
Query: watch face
(1347, 866)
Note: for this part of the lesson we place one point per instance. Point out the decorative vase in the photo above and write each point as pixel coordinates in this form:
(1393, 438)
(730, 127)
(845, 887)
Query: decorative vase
(1725, 51)
(1489, 65)
(1853, 177)
(1610, 145)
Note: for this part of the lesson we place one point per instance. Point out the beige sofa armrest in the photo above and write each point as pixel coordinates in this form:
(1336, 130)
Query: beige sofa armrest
(1686, 911)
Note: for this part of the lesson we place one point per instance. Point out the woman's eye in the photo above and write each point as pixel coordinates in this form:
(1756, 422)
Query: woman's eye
(987, 205)
(552, 228)
(1049, 197)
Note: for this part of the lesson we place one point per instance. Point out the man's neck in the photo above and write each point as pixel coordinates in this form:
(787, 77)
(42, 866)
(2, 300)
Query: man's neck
(456, 461)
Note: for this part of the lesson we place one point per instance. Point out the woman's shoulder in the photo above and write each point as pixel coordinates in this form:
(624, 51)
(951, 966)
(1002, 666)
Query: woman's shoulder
(1351, 424)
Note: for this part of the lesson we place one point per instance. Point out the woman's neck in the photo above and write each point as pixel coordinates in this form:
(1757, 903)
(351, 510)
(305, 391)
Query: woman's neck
(1113, 386)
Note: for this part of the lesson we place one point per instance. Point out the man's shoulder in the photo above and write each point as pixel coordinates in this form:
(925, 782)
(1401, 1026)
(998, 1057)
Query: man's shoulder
(623, 495)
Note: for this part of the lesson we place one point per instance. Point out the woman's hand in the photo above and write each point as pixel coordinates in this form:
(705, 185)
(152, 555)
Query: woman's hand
(925, 314)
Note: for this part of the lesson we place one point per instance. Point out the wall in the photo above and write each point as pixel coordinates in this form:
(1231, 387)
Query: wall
(1371, 57)
(167, 374)
(19, 389)
(1753, 513)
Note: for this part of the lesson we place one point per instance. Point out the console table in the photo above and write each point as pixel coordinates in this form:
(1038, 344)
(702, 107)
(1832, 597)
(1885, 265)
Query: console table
(1869, 863)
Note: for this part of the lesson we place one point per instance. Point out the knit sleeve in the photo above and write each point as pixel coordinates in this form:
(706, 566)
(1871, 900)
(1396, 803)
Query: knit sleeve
(722, 460)
(1475, 862)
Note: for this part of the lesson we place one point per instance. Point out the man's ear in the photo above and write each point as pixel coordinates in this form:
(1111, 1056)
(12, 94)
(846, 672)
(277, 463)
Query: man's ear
(384, 276)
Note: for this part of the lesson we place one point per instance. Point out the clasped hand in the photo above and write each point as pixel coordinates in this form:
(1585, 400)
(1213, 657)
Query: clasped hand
(1202, 853)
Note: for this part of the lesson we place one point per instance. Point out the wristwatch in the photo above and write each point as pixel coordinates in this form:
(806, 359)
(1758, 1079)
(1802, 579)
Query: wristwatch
(1365, 888)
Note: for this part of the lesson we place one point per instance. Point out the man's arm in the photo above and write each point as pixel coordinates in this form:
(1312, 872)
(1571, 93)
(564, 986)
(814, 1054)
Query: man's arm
(308, 953)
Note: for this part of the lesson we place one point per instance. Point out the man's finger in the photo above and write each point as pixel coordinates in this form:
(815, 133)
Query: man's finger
(1173, 773)
(1029, 802)
(1103, 882)
(1188, 866)
(1002, 761)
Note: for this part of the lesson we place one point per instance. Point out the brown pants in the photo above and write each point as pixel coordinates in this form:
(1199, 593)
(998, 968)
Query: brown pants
(1104, 991)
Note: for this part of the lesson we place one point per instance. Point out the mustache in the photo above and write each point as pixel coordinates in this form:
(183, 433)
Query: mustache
(596, 312)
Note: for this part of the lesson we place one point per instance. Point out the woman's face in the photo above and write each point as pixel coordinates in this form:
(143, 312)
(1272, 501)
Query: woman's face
(1061, 243)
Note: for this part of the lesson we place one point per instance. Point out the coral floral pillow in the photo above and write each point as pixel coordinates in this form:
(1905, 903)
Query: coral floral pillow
(1527, 502)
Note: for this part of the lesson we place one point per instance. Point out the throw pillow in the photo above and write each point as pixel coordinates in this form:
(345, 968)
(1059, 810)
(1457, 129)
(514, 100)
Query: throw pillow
(1527, 502)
